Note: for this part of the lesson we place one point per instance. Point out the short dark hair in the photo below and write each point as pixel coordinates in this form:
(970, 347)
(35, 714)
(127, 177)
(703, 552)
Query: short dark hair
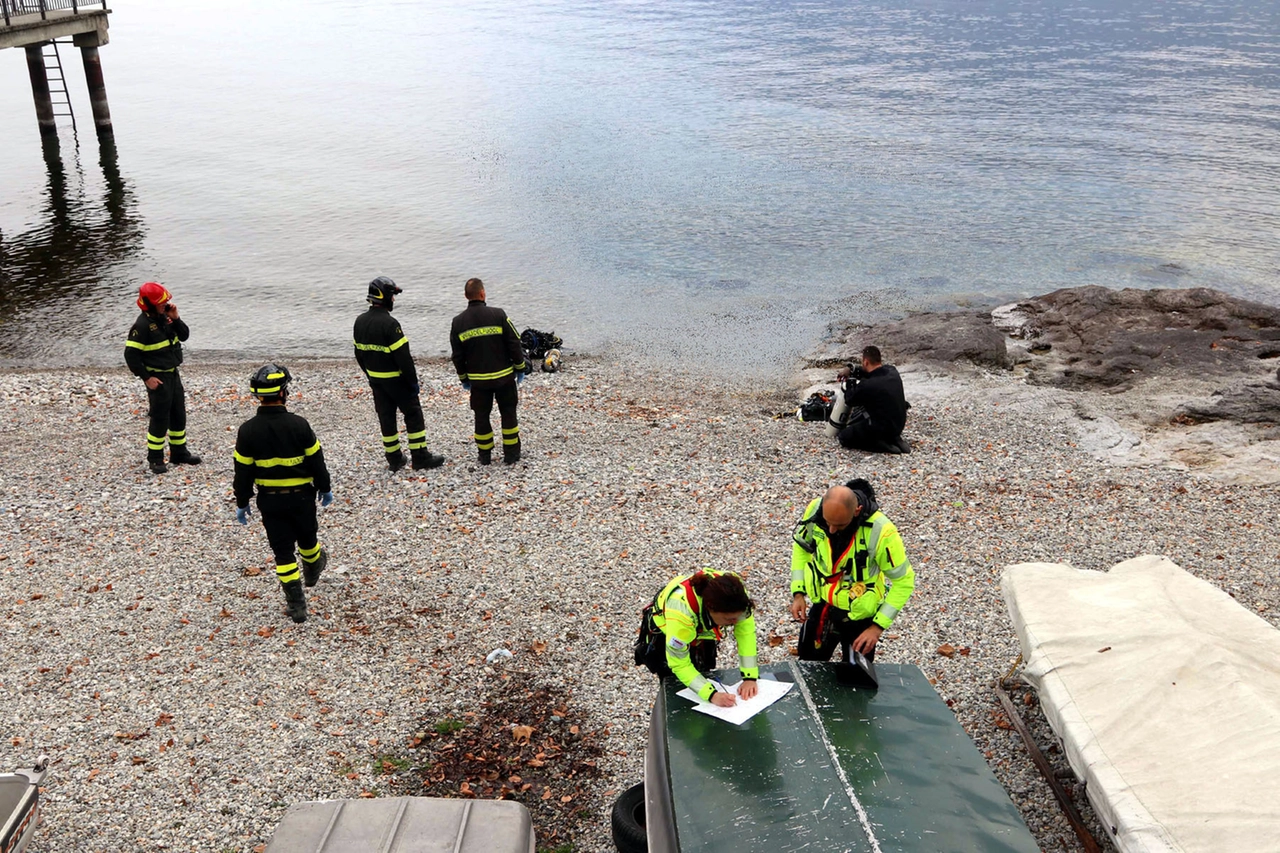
(474, 288)
(871, 354)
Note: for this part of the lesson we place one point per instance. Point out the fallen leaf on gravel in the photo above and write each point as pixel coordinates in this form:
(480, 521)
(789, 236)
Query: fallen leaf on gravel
(946, 650)
(252, 571)
(775, 641)
(138, 759)
(521, 734)
(566, 798)
(266, 631)
(538, 647)
(964, 650)
(793, 651)
(546, 793)
(368, 795)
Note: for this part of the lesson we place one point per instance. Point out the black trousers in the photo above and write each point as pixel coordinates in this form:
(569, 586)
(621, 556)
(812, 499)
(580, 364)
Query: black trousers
(701, 652)
(820, 634)
(482, 404)
(861, 434)
(390, 398)
(167, 406)
(290, 520)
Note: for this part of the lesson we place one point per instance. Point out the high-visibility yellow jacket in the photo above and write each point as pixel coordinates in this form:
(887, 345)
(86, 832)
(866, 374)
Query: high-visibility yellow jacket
(683, 619)
(873, 577)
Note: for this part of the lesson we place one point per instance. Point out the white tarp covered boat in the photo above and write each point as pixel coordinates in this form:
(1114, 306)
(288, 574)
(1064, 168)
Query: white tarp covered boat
(1166, 695)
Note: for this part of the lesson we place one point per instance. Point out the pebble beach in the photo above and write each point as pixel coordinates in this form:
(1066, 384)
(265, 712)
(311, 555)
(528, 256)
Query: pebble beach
(145, 647)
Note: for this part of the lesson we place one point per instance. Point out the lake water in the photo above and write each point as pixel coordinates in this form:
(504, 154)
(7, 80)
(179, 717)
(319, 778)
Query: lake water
(707, 182)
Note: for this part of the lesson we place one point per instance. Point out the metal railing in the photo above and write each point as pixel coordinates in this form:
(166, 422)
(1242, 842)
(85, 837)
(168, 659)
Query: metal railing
(14, 8)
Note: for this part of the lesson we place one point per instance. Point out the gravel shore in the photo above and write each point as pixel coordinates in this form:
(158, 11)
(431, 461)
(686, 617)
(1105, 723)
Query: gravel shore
(146, 650)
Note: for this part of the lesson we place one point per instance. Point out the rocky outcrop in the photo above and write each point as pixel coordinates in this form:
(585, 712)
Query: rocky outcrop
(1092, 336)
(1096, 338)
(944, 337)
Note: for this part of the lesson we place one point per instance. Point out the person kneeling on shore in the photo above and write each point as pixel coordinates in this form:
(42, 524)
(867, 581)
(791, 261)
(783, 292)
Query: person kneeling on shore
(877, 406)
(277, 451)
(848, 558)
(680, 629)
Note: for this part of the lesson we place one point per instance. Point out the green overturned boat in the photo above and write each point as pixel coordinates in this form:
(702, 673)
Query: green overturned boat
(827, 767)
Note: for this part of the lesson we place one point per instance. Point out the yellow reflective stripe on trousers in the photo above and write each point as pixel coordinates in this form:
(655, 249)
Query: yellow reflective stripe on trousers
(148, 347)
(282, 484)
(287, 572)
(479, 332)
(480, 377)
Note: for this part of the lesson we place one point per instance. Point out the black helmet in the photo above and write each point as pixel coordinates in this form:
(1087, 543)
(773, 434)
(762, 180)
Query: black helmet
(382, 291)
(270, 381)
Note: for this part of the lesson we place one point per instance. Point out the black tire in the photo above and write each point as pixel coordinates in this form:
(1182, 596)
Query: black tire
(629, 834)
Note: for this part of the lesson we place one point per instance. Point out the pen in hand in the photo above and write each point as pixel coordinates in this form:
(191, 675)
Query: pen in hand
(719, 689)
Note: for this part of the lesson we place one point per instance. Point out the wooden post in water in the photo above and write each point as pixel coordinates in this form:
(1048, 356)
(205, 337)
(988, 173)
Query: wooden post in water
(97, 88)
(40, 91)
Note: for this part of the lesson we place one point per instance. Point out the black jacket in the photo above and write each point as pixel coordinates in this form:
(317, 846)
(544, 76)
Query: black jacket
(880, 394)
(276, 449)
(154, 344)
(382, 350)
(486, 348)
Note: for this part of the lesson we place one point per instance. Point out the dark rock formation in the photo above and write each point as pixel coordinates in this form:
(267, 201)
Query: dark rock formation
(938, 337)
(1092, 336)
(1084, 337)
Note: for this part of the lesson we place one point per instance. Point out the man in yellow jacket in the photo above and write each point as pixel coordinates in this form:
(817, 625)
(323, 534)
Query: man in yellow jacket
(848, 559)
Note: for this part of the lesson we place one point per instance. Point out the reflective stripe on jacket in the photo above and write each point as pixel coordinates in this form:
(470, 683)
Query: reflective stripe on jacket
(485, 346)
(875, 558)
(381, 348)
(154, 345)
(276, 449)
(682, 621)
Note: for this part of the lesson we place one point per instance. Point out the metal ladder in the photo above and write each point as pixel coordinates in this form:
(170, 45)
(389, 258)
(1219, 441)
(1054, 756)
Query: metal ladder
(58, 93)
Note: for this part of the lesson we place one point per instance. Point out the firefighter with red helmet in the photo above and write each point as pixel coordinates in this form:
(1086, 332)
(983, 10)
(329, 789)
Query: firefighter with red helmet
(153, 352)
(277, 452)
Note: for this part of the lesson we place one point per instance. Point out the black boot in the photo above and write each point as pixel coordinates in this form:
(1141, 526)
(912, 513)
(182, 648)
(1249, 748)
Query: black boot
(511, 455)
(485, 457)
(182, 456)
(311, 571)
(425, 459)
(396, 460)
(296, 600)
(156, 462)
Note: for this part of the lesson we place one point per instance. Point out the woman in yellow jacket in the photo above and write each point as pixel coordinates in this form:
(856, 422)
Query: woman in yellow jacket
(685, 621)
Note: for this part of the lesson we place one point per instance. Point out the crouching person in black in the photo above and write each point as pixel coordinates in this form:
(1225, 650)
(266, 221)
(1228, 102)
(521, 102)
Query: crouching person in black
(877, 407)
(277, 451)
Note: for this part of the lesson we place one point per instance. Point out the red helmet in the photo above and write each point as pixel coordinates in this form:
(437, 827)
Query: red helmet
(152, 295)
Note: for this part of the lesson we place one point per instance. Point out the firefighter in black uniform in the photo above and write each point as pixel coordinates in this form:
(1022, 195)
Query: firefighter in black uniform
(490, 362)
(382, 351)
(153, 352)
(277, 451)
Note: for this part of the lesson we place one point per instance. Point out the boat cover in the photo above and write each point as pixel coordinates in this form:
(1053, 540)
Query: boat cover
(1166, 695)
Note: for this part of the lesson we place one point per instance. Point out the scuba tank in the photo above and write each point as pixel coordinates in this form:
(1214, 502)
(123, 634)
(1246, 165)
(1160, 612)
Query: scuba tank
(839, 411)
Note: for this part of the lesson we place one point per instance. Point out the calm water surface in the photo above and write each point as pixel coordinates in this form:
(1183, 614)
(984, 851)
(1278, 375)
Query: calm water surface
(710, 182)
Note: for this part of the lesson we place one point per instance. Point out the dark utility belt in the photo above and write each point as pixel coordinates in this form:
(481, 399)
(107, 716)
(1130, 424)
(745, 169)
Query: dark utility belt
(268, 490)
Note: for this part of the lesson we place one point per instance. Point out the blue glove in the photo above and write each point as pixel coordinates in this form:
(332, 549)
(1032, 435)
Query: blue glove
(326, 499)
(242, 514)
(415, 388)
(466, 386)
(520, 377)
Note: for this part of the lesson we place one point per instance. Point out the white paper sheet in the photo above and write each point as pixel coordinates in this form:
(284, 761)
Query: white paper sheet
(769, 691)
